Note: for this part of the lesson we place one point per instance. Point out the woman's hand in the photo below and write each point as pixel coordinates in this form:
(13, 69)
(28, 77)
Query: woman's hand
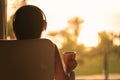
(70, 65)
(69, 60)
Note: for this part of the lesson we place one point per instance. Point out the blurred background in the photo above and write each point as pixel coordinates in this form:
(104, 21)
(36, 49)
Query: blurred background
(91, 28)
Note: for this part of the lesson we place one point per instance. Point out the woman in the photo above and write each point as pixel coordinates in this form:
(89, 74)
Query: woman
(28, 23)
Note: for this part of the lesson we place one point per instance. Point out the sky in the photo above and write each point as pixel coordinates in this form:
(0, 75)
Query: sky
(98, 15)
(94, 12)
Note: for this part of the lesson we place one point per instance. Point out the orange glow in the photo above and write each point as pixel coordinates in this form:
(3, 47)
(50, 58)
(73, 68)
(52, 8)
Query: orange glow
(97, 16)
(88, 38)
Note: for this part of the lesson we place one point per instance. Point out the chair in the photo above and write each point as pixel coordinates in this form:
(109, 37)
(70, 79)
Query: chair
(26, 59)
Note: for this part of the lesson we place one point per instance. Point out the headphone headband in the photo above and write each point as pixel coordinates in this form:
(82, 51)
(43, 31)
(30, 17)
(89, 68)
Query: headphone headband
(43, 14)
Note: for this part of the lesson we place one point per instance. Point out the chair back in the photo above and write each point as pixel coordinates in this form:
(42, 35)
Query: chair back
(26, 59)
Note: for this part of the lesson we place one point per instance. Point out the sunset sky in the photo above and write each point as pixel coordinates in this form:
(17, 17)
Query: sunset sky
(97, 15)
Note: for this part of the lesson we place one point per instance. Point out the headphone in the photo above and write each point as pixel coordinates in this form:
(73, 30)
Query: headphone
(44, 21)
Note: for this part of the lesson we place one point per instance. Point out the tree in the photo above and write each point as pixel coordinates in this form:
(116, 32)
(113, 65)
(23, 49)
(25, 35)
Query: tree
(75, 26)
(106, 46)
(69, 34)
(106, 42)
(68, 37)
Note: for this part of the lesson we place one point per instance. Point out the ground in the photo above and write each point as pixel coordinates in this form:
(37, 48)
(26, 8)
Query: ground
(98, 77)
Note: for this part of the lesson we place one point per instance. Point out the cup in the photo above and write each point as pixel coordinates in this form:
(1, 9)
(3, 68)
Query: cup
(68, 57)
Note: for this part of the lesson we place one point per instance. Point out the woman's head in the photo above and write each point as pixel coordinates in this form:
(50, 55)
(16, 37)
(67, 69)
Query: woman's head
(28, 22)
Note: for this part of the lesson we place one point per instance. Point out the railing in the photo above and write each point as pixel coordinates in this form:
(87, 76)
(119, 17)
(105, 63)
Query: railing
(3, 19)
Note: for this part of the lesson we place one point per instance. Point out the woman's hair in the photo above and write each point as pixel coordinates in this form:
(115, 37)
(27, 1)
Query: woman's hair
(29, 22)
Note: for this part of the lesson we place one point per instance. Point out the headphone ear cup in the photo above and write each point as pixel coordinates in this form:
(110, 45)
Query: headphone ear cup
(44, 25)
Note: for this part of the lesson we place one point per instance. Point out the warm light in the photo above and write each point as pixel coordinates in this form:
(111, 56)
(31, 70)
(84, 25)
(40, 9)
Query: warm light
(89, 38)
(95, 13)
(116, 41)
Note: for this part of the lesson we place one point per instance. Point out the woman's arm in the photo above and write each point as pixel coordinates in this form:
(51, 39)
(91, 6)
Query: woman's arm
(60, 74)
